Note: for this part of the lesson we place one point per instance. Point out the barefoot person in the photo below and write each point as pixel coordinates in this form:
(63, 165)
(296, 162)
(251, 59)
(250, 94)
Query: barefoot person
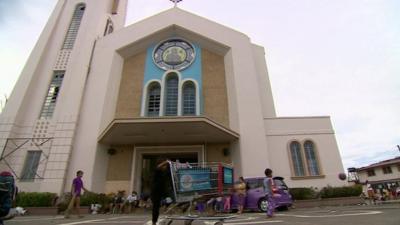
(76, 190)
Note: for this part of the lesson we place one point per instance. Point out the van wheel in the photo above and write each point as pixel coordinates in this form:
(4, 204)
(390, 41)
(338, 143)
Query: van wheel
(263, 205)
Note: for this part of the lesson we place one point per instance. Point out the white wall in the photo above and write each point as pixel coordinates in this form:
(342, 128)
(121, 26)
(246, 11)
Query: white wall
(281, 131)
(379, 175)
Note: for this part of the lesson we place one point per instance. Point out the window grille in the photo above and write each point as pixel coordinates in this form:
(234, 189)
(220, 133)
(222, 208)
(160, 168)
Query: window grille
(52, 94)
(297, 159)
(311, 158)
(189, 99)
(153, 105)
(31, 165)
(74, 27)
(171, 105)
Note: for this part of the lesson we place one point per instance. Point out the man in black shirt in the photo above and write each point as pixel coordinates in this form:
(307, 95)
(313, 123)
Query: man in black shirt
(159, 187)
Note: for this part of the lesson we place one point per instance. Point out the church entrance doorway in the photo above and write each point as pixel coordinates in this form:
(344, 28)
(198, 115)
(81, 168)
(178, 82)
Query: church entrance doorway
(149, 163)
(145, 159)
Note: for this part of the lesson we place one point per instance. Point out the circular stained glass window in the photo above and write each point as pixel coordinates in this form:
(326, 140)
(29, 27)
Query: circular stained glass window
(174, 54)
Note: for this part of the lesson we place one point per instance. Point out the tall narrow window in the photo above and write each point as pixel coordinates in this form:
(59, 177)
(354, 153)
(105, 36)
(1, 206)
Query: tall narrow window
(31, 165)
(189, 99)
(312, 163)
(171, 95)
(52, 94)
(74, 26)
(297, 159)
(153, 103)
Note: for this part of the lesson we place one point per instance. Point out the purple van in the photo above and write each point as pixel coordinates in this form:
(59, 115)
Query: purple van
(255, 198)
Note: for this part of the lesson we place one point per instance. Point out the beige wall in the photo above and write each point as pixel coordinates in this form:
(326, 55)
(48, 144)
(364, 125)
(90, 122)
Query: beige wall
(119, 170)
(215, 153)
(130, 92)
(214, 88)
(117, 185)
(120, 164)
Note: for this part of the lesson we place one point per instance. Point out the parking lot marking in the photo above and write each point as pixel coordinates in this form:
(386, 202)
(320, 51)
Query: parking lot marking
(340, 215)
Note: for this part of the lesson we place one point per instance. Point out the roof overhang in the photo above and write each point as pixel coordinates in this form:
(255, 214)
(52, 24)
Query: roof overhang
(166, 130)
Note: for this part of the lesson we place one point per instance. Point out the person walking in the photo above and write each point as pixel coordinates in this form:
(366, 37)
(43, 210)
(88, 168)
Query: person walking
(159, 187)
(269, 195)
(76, 191)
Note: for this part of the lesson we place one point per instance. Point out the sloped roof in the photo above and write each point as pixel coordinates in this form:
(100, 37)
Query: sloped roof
(175, 22)
(387, 162)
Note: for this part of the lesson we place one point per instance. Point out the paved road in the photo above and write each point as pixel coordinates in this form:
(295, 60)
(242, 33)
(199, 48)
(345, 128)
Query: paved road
(358, 215)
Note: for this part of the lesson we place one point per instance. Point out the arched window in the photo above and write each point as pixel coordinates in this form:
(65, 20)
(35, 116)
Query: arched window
(297, 159)
(171, 95)
(189, 99)
(153, 99)
(312, 163)
(74, 26)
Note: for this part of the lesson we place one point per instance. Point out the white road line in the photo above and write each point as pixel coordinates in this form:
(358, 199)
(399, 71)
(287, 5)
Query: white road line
(37, 218)
(256, 222)
(80, 222)
(125, 222)
(340, 215)
(240, 219)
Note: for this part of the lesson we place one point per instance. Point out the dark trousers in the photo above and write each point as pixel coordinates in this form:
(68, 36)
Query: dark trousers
(156, 200)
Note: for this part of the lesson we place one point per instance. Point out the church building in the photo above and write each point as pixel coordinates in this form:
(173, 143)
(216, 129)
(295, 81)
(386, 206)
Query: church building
(107, 99)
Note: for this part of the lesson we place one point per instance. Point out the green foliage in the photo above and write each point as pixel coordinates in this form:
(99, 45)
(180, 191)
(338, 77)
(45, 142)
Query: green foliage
(35, 199)
(88, 198)
(345, 191)
(303, 193)
(326, 192)
(92, 198)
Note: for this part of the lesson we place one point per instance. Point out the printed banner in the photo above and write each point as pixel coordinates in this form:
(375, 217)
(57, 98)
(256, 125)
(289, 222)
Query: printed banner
(228, 175)
(194, 179)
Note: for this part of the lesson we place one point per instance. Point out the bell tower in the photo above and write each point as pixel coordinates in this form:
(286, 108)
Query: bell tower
(39, 122)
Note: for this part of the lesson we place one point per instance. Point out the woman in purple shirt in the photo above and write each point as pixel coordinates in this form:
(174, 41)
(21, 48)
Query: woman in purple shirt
(76, 191)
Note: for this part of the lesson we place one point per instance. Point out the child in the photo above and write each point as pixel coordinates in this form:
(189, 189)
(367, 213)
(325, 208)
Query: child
(219, 204)
(227, 204)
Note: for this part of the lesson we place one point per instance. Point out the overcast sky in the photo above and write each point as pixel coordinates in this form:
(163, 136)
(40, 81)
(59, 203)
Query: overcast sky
(339, 58)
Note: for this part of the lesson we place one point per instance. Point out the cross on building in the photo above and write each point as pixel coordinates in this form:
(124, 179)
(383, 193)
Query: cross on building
(175, 2)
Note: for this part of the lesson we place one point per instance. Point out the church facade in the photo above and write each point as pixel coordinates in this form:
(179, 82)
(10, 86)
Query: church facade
(109, 100)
